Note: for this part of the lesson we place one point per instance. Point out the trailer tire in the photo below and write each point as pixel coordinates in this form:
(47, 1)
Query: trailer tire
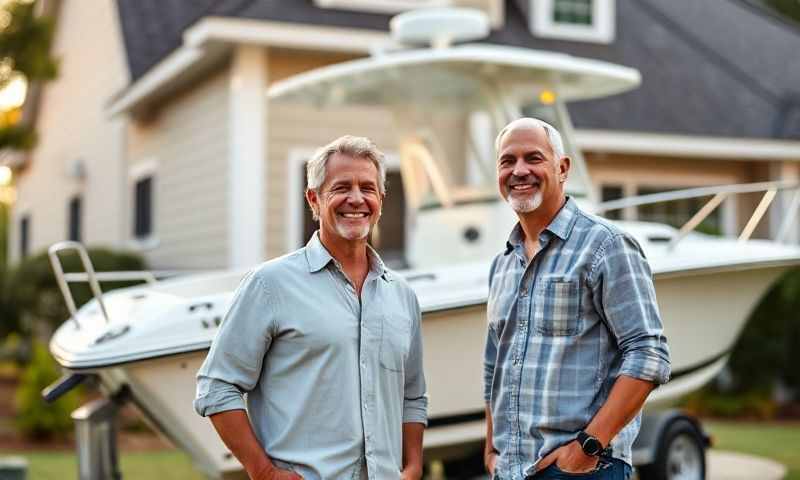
(681, 454)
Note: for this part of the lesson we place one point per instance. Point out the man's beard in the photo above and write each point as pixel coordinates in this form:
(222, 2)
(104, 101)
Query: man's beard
(525, 205)
(352, 233)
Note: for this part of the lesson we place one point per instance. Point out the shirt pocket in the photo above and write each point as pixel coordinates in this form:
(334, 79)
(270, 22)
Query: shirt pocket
(556, 303)
(395, 341)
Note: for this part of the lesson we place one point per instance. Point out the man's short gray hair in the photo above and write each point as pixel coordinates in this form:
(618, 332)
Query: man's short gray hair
(356, 147)
(553, 136)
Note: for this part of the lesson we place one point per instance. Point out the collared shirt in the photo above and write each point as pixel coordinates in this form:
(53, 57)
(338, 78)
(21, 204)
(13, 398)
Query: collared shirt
(330, 378)
(562, 328)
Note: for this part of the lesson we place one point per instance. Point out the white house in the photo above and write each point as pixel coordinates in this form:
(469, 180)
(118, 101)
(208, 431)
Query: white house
(157, 135)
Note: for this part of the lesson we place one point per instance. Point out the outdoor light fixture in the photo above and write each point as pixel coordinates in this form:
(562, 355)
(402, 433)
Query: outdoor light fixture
(8, 194)
(5, 175)
(547, 97)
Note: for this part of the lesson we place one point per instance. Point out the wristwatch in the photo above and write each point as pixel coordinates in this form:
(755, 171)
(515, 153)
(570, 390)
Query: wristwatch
(591, 445)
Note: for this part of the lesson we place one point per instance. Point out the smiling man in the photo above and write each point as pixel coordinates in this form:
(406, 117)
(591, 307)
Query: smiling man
(326, 343)
(575, 343)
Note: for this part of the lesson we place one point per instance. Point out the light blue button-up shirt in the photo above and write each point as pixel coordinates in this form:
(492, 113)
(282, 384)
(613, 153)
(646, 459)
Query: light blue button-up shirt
(562, 327)
(330, 378)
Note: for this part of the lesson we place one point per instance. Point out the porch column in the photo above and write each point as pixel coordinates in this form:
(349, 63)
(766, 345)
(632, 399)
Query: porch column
(787, 171)
(247, 134)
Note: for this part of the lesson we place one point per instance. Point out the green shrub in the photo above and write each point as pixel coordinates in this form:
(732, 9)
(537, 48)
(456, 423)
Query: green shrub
(3, 235)
(6, 313)
(32, 294)
(762, 357)
(35, 418)
(766, 350)
(709, 402)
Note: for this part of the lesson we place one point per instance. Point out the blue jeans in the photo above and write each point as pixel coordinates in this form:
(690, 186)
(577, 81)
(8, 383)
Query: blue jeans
(607, 469)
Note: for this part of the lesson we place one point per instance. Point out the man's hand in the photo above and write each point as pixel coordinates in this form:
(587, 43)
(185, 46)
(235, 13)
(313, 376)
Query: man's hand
(412, 450)
(489, 452)
(569, 458)
(489, 461)
(271, 472)
(411, 473)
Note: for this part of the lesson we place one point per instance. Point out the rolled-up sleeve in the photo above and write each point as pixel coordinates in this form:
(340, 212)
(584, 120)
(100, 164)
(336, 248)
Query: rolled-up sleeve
(626, 298)
(415, 399)
(233, 364)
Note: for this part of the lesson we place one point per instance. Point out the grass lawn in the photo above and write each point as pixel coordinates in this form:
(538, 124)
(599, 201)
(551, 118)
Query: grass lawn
(63, 465)
(780, 442)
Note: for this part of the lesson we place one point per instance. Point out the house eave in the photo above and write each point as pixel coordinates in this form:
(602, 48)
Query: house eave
(691, 146)
(213, 37)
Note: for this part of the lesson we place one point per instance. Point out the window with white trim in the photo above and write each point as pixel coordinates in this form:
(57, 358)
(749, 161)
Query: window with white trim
(143, 208)
(24, 235)
(574, 12)
(579, 20)
(74, 211)
(612, 192)
(142, 182)
(678, 212)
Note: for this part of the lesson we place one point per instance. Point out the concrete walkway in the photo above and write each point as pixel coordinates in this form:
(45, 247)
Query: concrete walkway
(724, 465)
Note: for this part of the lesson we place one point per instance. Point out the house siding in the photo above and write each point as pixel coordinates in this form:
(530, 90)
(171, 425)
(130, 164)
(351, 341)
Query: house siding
(73, 128)
(287, 132)
(292, 127)
(188, 143)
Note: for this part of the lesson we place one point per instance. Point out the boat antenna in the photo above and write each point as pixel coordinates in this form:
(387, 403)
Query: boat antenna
(439, 27)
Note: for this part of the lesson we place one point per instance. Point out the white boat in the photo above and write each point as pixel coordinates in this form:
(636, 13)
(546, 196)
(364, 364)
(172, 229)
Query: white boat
(150, 340)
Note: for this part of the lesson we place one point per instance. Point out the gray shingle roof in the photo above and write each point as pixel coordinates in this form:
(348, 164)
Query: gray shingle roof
(714, 68)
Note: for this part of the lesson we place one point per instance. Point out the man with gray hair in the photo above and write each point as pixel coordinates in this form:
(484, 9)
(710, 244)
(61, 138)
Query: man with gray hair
(575, 343)
(326, 343)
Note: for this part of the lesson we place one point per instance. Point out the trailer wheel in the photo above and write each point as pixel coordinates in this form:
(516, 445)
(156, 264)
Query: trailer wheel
(681, 454)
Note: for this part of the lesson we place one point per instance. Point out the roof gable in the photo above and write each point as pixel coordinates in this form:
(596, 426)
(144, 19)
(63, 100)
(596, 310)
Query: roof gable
(703, 64)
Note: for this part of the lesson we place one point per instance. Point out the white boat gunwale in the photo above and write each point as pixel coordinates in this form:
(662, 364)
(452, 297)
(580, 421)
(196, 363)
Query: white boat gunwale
(68, 360)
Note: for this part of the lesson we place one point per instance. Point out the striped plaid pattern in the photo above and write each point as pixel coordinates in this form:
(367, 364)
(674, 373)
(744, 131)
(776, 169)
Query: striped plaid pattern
(562, 328)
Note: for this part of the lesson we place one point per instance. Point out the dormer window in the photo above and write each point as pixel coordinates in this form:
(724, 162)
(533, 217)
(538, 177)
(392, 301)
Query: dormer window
(579, 20)
(572, 12)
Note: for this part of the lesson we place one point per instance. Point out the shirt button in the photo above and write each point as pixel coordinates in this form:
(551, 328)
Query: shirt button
(523, 293)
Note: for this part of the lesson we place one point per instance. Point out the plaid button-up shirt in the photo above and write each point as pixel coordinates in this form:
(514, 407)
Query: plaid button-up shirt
(562, 328)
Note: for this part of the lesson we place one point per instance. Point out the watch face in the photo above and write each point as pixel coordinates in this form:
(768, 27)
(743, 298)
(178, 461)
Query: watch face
(592, 446)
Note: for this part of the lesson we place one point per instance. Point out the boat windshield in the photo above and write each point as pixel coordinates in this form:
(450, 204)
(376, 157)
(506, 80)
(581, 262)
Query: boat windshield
(447, 152)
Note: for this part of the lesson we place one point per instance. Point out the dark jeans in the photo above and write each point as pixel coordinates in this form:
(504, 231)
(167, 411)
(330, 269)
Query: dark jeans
(607, 469)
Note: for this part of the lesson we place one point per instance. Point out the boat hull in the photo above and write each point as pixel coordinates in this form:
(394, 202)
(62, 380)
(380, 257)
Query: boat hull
(706, 311)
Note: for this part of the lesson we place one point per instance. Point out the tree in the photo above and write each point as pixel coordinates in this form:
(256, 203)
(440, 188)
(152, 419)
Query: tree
(787, 8)
(25, 41)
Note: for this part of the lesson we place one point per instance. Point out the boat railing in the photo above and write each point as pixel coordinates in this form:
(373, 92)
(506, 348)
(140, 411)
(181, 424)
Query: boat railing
(88, 275)
(720, 193)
